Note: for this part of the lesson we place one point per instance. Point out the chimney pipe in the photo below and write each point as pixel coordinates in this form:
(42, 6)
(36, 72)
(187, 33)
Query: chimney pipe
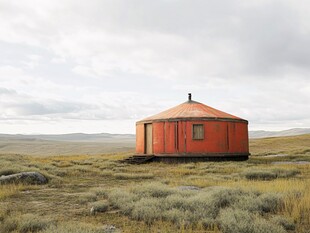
(189, 96)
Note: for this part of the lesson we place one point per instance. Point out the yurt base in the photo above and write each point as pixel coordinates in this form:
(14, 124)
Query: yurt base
(176, 158)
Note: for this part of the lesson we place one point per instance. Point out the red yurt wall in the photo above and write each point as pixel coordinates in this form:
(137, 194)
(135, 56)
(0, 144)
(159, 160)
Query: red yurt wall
(175, 137)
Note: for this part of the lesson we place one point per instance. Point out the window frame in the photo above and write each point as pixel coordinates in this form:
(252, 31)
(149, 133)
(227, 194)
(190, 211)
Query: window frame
(203, 131)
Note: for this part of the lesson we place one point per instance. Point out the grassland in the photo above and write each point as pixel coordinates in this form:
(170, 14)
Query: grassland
(52, 148)
(95, 193)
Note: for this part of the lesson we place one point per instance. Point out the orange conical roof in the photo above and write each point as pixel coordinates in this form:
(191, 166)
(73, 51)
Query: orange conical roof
(191, 109)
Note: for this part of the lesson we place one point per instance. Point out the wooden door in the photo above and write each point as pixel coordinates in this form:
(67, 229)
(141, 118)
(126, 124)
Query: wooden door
(148, 139)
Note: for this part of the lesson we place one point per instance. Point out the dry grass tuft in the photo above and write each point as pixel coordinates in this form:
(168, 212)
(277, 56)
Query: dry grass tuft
(9, 190)
(86, 198)
(24, 224)
(269, 174)
(158, 202)
(99, 207)
(241, 221)
(72, 227)
(128, 176)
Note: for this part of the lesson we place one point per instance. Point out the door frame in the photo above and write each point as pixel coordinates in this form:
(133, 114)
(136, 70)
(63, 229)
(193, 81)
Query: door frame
(146, 138)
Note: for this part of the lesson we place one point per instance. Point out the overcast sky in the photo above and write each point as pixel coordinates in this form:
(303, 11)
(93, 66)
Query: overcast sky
(99, 66)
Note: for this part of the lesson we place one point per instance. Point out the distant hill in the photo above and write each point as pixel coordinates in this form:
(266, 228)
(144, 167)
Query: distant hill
(107, 137)
(289, 132)
(73, 137)
(298, 145)
(66, 144)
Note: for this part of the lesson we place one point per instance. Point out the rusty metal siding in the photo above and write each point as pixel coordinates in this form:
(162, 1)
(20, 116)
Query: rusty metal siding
(198, 146)
(216, 139)
(158, 138)
(170, 137)
(182, 136)
(219, 137)
(238, 138)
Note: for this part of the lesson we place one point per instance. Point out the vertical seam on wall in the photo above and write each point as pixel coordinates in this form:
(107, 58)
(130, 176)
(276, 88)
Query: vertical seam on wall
(144, 139)
(185, 136)
(164, 137)
(227, 138)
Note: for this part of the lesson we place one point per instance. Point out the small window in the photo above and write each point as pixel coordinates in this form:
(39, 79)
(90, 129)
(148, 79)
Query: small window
(198, 132)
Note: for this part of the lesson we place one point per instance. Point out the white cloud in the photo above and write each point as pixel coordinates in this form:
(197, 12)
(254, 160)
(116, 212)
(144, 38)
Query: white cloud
(93, 60)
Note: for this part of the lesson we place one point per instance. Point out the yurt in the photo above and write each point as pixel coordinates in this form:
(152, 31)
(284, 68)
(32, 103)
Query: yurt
(192, 131)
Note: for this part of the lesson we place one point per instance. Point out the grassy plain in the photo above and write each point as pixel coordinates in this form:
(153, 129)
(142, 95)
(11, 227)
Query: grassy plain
(95, 193)
(52, 148)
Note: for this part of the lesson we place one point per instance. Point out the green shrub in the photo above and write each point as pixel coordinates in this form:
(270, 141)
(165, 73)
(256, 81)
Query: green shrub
(108, 165)
(260, 203)
(32, 223)
(153, 190)
(286, 173)
(8, 225)
(223, 197)
(75, 227)
(127, 176)
(80, 169)
(285, 223)
(6, 172)
(208, 223)
(82, 162)
(175, 201)
(270, 202)
(269, 174)
(106, 173)
(100, 192)
(190, 166)
(201, 206)
(24, 223)
(147, 210)
(59, 172)
(99, 207)
(207, 204)
(261, 225)
(155, 201)
(86, 198)
(249, 202)
(236, 221)
(4, 212)
(120, 170)
(260, 175)
(232, 220)
(175, 215)
(122, 200)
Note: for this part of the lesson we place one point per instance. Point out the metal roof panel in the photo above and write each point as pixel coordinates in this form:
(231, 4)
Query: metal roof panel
(191, 109)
